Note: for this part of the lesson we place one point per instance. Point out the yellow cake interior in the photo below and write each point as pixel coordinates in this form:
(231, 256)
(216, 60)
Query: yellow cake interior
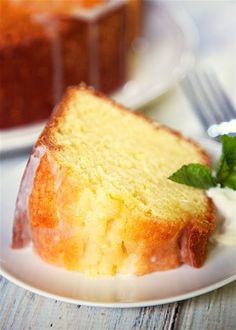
(120, 164)
(121, 157)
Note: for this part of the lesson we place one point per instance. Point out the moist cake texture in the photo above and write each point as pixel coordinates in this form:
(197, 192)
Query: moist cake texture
(101, 202)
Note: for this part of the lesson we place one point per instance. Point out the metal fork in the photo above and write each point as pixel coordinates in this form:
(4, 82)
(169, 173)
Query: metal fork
(208, 99)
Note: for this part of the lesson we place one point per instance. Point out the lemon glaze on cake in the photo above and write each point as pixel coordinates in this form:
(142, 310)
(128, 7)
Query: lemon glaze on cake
(101, 202)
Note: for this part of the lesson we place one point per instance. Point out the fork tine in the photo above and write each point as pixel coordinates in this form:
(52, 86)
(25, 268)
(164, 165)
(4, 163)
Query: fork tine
(207, 97)
(209, 94)
(192, 92)
(211, 107)
(226, 106)
(188, 90)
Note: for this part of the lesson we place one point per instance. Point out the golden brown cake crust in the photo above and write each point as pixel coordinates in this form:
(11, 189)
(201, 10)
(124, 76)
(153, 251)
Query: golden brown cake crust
(163, 245)
(45, 137)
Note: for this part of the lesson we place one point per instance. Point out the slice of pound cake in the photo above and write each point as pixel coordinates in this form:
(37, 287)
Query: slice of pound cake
(96, 198)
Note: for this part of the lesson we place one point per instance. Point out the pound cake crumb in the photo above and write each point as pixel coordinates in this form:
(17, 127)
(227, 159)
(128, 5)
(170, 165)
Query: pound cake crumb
(96, 198)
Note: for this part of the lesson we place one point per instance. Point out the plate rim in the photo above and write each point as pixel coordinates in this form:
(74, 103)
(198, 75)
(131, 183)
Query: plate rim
(188, 28)
(146, 303)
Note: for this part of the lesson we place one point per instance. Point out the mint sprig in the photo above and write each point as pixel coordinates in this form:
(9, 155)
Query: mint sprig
(226, 166)
(200, 176)
(194, 175)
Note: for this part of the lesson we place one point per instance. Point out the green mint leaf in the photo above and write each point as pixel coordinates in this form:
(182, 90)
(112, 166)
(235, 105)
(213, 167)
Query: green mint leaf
(222, 170)
(229, 149)
(194, 175)
(226, 166)
(230, 181)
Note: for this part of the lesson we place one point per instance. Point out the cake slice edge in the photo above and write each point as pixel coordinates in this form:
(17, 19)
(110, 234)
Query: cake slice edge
(193, 238)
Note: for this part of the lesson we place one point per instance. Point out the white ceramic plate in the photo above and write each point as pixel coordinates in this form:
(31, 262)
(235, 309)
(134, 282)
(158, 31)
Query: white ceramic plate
(26, 269)
(161, 56)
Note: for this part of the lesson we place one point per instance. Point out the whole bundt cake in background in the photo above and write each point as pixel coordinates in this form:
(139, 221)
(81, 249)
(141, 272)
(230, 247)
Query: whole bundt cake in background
(96, 198)
(46, 46)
